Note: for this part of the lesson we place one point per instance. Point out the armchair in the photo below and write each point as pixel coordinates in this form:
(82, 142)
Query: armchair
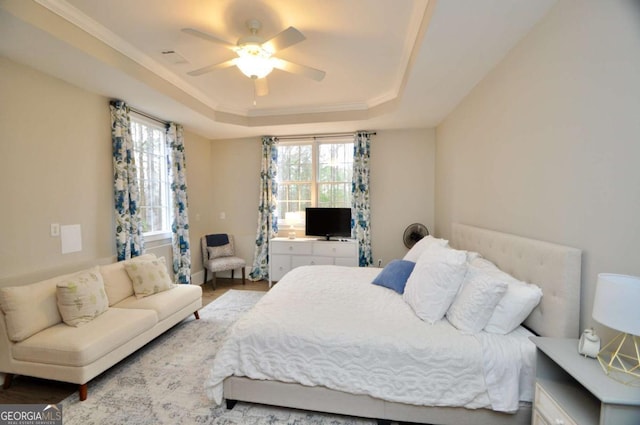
(218, 254)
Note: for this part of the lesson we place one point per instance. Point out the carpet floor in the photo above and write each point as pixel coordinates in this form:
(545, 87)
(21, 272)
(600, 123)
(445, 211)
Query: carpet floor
(163, 383)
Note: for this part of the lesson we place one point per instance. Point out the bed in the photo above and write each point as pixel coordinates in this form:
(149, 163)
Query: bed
(345, 335)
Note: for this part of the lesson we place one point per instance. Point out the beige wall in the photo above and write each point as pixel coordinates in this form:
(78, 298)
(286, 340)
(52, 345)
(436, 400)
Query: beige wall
(547, 145)
(402, 188)
(56, 168)
(55, 152)
(234, 189)
(198, 151)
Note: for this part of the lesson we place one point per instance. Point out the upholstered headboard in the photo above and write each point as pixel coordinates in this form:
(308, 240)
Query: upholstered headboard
(555, 268)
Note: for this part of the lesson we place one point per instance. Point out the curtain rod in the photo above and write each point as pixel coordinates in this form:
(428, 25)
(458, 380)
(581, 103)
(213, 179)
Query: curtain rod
(151, 117)
(318, 136)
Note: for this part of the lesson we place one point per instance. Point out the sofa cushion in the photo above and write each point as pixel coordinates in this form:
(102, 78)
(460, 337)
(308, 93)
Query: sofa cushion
(30, 308)
(117, 283)
(70, 346)
(81, 297)
(148, 277)
(165, 303)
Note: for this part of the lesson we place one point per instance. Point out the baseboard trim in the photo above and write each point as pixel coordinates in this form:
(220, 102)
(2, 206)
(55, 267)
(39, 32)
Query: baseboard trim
(197, 278)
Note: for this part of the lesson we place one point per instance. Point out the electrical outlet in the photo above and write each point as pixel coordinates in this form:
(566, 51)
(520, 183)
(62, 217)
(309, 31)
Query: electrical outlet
(379, 262)
(55, 229)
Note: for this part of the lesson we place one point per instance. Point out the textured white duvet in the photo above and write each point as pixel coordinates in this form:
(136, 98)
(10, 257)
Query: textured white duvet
(329, 326)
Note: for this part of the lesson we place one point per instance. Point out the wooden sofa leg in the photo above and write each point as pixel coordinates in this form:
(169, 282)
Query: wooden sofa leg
(82, 391)
(243, 280)
(231, 404)
(8, 379)
(232, 272)
(213, 280)
(195, 313)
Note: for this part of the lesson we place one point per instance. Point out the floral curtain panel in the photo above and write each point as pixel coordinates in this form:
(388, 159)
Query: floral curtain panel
(360, 204)
(267, 220)
(180, 226)
(129, 240)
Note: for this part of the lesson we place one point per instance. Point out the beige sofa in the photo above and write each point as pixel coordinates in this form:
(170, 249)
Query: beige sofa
(34, 340)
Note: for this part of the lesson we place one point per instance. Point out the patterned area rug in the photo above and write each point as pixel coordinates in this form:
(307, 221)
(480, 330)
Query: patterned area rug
(163, 383)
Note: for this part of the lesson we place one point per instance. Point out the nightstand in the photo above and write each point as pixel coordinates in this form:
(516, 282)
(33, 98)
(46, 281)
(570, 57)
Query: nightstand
(573, 389)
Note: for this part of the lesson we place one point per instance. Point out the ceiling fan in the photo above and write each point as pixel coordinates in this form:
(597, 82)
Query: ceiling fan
(256, 56)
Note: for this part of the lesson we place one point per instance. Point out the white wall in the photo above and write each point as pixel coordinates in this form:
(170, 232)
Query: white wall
(548, 144)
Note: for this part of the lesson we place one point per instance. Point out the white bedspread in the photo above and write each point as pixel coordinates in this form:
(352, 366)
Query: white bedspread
(329, 326)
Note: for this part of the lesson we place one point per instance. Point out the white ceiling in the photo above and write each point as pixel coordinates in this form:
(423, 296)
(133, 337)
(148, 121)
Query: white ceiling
(388, 63)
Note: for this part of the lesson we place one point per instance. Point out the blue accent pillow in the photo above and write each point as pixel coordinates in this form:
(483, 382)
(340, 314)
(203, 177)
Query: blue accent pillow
(394, 275)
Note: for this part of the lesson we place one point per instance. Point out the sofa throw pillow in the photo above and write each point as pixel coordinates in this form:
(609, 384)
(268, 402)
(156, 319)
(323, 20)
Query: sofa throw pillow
(117, 283)
(416, 251)
(435, 281)
(28, 309)
(81, 297)
(220, 251)
(394, 275)
(476, 301)
(148, 277)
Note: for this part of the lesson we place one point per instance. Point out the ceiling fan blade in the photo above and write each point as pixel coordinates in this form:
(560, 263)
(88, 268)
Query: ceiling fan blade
(260, 86)
(209, 37)
(284, 39)
(204, 70)
(295, 68)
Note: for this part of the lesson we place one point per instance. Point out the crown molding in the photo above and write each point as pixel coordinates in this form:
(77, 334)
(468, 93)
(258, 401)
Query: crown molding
(251, 116)
(100, 32)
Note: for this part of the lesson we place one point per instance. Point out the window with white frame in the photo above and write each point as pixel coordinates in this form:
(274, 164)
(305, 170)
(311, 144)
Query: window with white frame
(313, 173)
(150, 152)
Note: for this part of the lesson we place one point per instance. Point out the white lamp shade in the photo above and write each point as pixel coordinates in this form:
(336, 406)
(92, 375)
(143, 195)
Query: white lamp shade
(617, 302)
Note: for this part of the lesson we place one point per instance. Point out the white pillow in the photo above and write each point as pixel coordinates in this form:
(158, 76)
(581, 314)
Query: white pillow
(424, 243)
(148, 277)
(28, 309)
(472, 255)
(514, 307)
(516, 304)
(81, 297)
(434, 282)
(476, 301)
(220, 251)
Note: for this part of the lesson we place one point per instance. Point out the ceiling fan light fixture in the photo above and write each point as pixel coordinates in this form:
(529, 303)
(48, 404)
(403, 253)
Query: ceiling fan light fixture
(254, 61)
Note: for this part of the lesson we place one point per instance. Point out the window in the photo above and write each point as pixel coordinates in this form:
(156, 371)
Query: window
(149, 148)
(313, 174)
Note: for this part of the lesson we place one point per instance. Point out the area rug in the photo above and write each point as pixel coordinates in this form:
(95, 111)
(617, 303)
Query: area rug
(163, 383)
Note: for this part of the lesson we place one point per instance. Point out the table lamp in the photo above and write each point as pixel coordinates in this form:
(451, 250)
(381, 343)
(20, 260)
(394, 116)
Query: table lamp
(617, 306)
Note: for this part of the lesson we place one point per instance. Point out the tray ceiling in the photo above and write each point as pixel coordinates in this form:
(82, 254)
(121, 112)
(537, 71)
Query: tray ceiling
(388, 64)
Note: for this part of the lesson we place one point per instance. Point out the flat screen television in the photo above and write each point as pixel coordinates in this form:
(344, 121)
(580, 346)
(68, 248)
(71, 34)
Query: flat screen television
(328, 222)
